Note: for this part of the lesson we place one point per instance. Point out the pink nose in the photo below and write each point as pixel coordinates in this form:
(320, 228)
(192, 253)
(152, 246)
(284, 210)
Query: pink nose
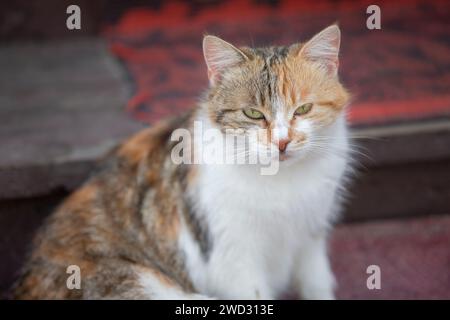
(282, 144)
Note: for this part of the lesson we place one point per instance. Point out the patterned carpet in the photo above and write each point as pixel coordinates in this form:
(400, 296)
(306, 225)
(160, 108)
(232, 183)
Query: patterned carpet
(413, 256)
(400, 73)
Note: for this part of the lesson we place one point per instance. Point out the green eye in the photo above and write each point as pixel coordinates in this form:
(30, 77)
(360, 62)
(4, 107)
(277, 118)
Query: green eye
(253, 114)
(303, 109)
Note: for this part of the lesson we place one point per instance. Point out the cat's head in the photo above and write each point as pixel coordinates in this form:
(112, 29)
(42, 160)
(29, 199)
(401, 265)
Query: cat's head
(292, 92)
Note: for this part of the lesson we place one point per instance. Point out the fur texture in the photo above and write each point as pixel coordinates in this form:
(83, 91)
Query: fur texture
(144, 227)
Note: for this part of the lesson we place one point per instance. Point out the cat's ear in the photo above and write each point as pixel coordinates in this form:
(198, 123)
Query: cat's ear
(219, 56)
(324, 48)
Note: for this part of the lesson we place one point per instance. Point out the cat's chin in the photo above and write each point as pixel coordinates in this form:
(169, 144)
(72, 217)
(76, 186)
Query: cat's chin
(283, 157)
(288, 159)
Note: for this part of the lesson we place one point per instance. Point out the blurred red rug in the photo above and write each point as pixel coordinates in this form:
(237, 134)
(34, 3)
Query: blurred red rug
(413, 256)
(400, 73)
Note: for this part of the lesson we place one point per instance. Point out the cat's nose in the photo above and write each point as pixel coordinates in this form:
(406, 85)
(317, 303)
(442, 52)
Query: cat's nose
(282, 144)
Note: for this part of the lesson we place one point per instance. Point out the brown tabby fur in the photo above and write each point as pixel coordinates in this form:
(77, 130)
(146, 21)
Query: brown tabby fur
(102, 229)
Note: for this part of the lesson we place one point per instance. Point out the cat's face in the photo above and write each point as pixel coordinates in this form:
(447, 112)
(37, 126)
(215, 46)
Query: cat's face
(288, 95)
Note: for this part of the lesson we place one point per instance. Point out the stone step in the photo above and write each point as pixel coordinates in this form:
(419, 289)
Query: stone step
(62, 106)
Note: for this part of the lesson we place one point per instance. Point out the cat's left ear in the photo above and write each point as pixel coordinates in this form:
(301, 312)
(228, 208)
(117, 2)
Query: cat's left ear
(220, 56)
(324, 48)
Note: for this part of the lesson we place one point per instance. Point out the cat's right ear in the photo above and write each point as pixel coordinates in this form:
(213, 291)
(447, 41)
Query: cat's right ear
(219, 56)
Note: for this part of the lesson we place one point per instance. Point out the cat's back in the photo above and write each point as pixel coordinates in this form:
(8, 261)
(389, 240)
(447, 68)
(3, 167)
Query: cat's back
(100, 221)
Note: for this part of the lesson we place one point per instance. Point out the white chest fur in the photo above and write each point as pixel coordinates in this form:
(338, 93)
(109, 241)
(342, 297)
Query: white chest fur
(257, 223)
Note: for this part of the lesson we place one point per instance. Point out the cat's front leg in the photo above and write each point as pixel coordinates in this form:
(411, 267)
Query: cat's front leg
(241, 285)
(237, 276)
(313, 276)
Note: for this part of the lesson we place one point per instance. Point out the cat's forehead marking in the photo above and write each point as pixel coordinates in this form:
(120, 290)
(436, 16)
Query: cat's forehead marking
(286, 87)
(271, 54)
(271, 76)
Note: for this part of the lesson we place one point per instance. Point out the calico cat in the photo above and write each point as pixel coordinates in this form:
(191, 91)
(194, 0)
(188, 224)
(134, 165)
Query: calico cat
(146, 227)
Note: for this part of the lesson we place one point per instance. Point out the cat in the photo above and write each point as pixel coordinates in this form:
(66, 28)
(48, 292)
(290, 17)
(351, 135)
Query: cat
(145, 227)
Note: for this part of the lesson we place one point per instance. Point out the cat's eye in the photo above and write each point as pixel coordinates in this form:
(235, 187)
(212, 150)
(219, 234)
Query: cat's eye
(303, 109)
(253, 114)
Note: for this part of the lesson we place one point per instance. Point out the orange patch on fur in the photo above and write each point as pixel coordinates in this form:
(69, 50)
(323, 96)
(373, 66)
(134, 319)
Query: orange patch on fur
(323, 115)
(286, 87)
(304, 92)
(136, 148)
(142, 143)
(87, 193)
(297, 137)
(168, 224)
